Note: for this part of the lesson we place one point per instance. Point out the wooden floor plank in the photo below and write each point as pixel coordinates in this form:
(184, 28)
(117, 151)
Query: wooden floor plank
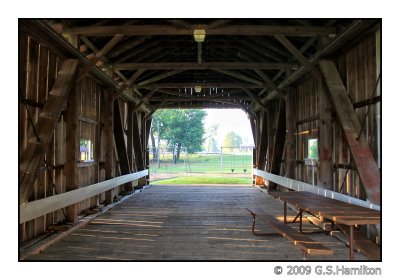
(186, 223)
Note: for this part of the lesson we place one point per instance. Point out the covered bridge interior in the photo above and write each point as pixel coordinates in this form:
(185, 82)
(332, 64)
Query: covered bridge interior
(100, 81)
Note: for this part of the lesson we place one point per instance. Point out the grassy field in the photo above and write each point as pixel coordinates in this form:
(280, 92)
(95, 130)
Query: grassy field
(205, 163)
(203, 180)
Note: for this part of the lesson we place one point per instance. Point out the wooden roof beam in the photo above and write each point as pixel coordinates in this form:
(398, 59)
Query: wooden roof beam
(241, 77)
(296, 53)
(104, 58)
(203, 85)
(203, 65)
(255, 99)
(255, 30)
(100, 54)
(268, 81)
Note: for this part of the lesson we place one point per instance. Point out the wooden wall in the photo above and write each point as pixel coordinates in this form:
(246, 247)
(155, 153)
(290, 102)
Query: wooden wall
(38, 71)
(358, 70)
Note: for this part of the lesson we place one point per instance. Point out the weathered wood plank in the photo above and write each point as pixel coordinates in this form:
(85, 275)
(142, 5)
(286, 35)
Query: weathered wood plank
(279, 141)
(33, 154)
(366, 165)
(108, 47)
(37, 208)
(203, 65)
(72, 148)
(290, 135)
(255, 30)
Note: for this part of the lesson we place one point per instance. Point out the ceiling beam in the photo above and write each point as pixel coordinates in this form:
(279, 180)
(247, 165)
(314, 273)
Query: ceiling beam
(159, 77)
(356, 28)
(129, 82)
(203, 65)
(203, 85)
(100, 54)
(104, 58)
(268, 81)
(201, 98)
(241, 77)
(297, 54)
(255, 30)
(255, 99)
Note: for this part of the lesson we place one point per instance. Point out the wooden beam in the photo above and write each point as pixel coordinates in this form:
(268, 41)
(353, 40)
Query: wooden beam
(279, 142)
(325, 142)
(115, 40)
(366, 165)
(159, 77)
(109, 157)
(268, 81)
(131, 80)
(262, 145)
(203, 85)
(154, 109)
(290, 135)
(126, 46)
(203, 65)
(163, 30)
(145, 98)
(119, 136)
(37, 208)
(241, 77)
(356, 28)
(296, 53)
(137, 142)
(218, 23)
(255, 99)
(180, 23)
(72, 149)
(36, 148)
(104, 58)
(201, 98)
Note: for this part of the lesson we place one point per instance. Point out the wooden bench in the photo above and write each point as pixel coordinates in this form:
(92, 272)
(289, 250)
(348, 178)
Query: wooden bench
(306, 244)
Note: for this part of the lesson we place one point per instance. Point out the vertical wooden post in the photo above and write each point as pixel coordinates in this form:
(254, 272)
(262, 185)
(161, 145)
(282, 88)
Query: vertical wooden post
(270, 134)
(325, 171)
(130, 137)
(109, 142)
(137, 142)
(279, 141)
(147, 152)
(290, 135)
(72, 149)
(119, 137)
(262, 146)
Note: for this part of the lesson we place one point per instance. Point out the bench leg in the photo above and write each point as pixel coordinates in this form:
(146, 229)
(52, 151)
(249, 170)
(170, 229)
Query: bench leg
(351, 242)
(284, 212)
(253, 228)
(304, 256)
(301, 221)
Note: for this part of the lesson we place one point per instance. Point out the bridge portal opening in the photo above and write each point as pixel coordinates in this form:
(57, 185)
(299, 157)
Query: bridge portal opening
(201, 146)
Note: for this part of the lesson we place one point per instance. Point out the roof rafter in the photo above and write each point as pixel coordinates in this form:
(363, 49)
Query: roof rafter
(255, 30)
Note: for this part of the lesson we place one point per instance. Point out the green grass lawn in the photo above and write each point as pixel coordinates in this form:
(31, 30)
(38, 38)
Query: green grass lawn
(203, 180)
(205, 163)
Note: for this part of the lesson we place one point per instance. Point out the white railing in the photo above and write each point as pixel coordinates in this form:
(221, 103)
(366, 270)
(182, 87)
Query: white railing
(38, 208)
(301, 186)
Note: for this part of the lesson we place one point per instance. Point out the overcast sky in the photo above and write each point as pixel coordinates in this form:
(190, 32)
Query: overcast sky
(230, 120)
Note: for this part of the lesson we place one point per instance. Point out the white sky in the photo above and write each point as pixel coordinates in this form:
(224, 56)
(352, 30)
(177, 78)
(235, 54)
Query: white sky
(230, 120)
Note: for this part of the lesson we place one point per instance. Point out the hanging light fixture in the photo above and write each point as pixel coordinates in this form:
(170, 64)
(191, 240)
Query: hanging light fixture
(199, 35)
(197, 89)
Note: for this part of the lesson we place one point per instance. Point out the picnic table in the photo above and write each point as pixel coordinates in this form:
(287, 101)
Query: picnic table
(331, 209)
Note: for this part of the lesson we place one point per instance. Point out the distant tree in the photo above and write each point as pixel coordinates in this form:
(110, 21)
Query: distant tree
(181, 128)
(231, 139)
(211, 141)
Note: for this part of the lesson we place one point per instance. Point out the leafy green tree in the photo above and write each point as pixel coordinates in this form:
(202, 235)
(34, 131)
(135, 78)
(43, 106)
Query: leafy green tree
(231, 139)
(181, 128)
